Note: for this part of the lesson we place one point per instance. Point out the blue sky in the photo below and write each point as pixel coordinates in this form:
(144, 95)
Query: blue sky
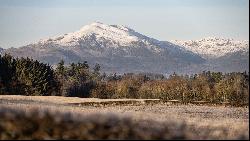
(26, 21)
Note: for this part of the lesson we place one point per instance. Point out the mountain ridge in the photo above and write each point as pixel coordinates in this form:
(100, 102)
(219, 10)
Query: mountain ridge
(214, 47)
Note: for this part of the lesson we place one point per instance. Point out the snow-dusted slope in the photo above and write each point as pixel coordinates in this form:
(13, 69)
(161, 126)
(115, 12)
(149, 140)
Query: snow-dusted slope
(1, 49)
(111, 36)
(212, 47)
(115, 34)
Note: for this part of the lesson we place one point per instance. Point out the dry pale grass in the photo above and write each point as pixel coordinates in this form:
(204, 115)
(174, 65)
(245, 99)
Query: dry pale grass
(65, 100)
(179, 121)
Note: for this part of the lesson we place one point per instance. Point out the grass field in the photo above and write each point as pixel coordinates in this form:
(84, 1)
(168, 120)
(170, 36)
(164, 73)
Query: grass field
(84, 118)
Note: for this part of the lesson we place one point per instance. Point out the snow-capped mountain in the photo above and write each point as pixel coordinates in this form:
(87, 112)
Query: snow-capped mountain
(121, 49)
(116, 48)
(109, 36)
(213, 47)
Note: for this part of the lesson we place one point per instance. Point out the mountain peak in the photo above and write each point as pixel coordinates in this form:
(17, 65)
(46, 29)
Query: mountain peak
(102, 26)
(119, 34)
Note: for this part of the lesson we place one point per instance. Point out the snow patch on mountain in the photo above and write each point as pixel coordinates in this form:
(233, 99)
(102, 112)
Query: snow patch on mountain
(1, 50)
(116, 34)
(213, 47)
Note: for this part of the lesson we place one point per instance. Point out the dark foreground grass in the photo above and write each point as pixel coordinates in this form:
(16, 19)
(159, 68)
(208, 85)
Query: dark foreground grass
(34, 124)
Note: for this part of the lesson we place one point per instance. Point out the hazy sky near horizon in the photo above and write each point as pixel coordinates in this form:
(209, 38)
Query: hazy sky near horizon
(26, 21)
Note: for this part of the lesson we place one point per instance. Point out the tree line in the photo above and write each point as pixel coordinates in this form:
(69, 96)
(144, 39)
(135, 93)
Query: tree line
(24, 76)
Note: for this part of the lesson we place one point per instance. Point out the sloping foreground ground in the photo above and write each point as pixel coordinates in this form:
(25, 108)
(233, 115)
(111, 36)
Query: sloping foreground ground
(24, 117)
